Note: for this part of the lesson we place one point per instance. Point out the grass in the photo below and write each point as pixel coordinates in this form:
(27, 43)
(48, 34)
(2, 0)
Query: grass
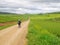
(44, 30)
(8, 18)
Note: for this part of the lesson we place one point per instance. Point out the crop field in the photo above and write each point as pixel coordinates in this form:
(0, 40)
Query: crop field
(44, 29)
(7, 20)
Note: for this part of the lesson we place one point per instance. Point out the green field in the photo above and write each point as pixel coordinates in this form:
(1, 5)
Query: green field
(44, 29)
(9, 18)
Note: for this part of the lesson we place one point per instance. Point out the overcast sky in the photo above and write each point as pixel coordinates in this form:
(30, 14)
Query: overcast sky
(29, 6)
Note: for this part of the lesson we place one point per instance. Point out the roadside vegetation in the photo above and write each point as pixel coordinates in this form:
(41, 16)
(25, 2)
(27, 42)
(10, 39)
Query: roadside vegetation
(44, 29)
(7, 20)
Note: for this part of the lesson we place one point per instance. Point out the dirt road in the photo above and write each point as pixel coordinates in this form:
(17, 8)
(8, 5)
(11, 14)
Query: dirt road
(14, 35)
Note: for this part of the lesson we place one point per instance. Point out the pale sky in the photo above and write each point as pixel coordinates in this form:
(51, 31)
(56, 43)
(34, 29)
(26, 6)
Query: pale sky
(29, 6)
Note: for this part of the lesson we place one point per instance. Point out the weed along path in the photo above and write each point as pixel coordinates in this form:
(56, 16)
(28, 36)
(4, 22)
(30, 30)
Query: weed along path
(14, 35)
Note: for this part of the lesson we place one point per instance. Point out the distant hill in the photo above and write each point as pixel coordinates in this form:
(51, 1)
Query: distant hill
(54, 13)
(38, 13)
(5, 13)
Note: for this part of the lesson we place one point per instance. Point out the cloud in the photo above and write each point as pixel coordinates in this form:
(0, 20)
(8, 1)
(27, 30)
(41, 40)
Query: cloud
(45, 1)
(29, 6)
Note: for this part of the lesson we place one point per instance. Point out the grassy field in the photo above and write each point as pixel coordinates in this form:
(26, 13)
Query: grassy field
(44, 29)
(7, 20)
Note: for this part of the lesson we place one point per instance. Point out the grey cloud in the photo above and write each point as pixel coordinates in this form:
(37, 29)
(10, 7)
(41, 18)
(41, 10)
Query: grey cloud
(16, 6)
(35, 6)
(45, 1)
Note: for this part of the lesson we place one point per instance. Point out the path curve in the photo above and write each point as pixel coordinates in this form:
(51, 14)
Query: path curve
(14, 35)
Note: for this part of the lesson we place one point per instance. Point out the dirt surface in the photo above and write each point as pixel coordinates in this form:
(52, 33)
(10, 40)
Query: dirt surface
(7, 23)
(14, 35)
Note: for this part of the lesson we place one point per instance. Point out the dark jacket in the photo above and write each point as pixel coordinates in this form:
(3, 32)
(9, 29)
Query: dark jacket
(19, 22)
